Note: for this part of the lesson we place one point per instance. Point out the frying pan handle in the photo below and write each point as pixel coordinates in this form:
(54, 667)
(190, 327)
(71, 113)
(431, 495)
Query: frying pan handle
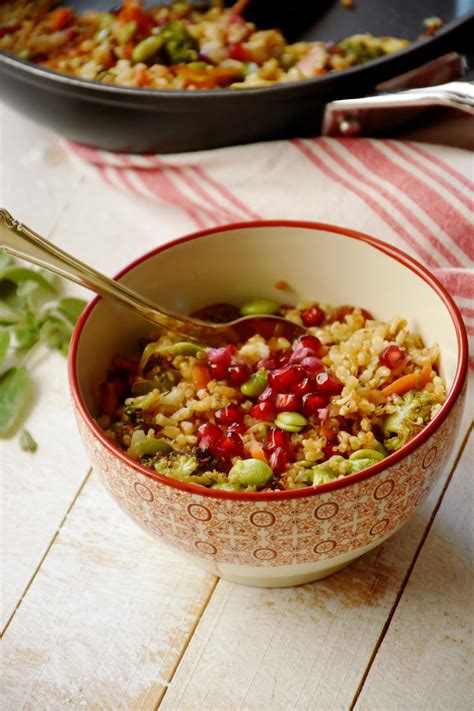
(370, 114)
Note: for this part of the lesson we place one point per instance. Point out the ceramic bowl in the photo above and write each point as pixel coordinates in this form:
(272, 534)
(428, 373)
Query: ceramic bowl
(277, 538)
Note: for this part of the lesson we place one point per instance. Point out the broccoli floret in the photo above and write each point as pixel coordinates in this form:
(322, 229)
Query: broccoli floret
(186, 467)
(413, 413)
(179, 46)
(326, 471)
(177, 465)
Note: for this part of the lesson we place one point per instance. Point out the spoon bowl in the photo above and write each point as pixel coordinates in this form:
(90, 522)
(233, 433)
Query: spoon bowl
(21, 241)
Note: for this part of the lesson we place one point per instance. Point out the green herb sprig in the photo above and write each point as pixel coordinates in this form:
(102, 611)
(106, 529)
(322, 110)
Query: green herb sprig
(33, 314)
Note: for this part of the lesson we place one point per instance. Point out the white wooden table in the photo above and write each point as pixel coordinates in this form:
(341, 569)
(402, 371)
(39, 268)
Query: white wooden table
(95, 615)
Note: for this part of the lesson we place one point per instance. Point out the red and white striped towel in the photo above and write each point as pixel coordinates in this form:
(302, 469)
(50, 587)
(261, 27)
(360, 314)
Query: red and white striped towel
(416, 196)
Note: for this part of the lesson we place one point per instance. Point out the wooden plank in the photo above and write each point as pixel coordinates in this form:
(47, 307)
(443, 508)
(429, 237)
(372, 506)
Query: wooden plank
(37, 179)
(106, 617)
(425, 660)
(85, 216)
(38, 488)
(301, 648)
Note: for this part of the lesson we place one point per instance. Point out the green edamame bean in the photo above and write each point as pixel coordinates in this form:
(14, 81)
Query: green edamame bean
(250, 472)
(366, 454)
(125, 32)
(291, 421)
(226, 486)
(256, 384)
(259, 307)
(198, 65)
(380, 448)
(147, 48)
(186, 348)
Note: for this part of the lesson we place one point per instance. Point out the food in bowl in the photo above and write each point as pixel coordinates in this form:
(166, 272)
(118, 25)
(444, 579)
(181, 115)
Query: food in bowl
(173, 47)
(270, 414)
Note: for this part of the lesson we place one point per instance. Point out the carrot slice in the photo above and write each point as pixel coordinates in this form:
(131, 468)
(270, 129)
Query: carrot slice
(413, 381)
(255, 450)
(200, 375)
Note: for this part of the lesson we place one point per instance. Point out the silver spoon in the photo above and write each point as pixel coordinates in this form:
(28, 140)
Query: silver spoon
(21, 241)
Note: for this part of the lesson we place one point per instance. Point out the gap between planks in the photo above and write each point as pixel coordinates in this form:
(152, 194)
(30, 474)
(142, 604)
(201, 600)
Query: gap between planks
(187, 642)
(405, 580)
(47, 549)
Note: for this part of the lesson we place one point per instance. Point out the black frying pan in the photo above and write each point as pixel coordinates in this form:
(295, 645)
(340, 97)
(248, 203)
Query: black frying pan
(144, 120)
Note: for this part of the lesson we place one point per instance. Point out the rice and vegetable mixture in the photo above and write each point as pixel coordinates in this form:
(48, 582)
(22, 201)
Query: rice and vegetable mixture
(177, 47)
(268, 414)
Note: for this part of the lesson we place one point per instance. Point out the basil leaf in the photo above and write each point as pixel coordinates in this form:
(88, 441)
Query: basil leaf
(71, 308)
(56, 333)
(27, 443)
(18, 275)
(15, 392)
(4, 343)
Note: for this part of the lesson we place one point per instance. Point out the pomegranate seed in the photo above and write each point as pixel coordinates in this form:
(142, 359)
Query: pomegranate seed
(278, 461)
(312, 403)
(229, 415)
(312, 364)
(330, 450)
(238, 374)
(231, 445)
(392, 356)
(277, 438)
(218, 371)
(238, 52)
(328, 384)
(314, 316)
(310, 342)
(222, 356)
(287, 402)
(210, 430)
(267, 394)
(263, 411)
(268, 363)
(240, 428)
(304, 387)
(300, 353)
(283, 378)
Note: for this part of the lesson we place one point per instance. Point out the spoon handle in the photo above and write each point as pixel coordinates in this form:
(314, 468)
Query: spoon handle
(21, 241)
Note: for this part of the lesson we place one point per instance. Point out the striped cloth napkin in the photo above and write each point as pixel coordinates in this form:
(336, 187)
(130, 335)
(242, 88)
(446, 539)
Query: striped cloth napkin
(415, 196)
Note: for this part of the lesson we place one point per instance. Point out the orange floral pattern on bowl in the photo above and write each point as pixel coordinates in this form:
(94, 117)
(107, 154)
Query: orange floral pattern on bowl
(289, 531)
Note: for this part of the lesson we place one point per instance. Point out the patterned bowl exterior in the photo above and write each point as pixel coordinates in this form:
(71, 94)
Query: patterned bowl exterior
(277, 532)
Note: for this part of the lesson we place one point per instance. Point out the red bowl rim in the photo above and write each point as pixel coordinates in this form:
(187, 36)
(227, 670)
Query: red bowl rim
(393, 252)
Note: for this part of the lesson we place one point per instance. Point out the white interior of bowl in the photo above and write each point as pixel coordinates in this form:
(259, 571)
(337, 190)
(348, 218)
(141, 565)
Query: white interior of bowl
(241, 264)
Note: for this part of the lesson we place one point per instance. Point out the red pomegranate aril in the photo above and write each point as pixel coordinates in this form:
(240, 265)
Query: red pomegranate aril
(240, 428)
(300, 353)
(328, 384)
(267, 394)
(283, 378)
(238, 52)
(314, 316)
(278, 461)
(218, 371)
(263, 411)
(231, 445)
(393, 356)
(312, 403)
(277, 438)
(238, 374)
(287, 402)
(330, 450)
(304, 387)
(312, 364)
(268, 363)
(222, 356)
(310, 342)
(229, 414)
(210, 430)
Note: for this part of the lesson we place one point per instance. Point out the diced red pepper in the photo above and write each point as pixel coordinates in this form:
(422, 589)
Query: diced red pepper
(132, 12)
(61, 17)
